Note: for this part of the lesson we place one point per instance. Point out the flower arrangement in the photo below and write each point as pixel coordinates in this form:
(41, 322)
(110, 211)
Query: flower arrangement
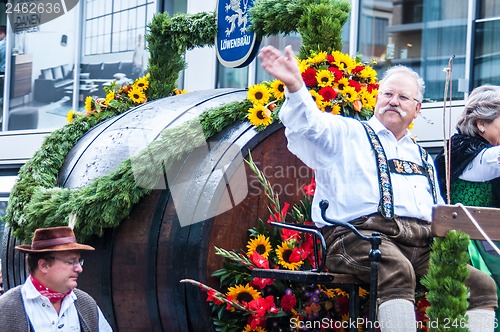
(338, 84)
(119, 98)
(263, 304)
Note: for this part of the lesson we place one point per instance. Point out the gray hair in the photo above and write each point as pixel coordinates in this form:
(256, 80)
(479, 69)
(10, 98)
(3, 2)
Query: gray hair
(483, 104)
(407, 70)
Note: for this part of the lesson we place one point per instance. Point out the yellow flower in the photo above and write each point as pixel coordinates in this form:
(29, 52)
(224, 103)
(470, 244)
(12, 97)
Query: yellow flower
(137, 95)
(318, 99)
(324, 78)
(318, 58)
(248, 328)
(363, 292)
(283, 252)
(278, 89)
(258, 94)
(242, 293)
(411, 125)
(141, 83)
(342, 83)
(369, 74)
(70, 116)
(259, 115)
(336, 109)
(343, 61)
(303, 65)
(261, 245)
(88, 104)
(350, 94)
(109, 97)
(179, 92)
(368, 99)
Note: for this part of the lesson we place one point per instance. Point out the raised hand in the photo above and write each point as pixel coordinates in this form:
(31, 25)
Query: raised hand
(283, 67)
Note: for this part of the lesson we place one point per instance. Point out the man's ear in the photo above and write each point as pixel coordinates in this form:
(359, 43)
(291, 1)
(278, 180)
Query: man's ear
(418, 110)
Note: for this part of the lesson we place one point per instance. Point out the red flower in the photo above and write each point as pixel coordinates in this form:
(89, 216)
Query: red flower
(211, 297)
(310, 188)
(371, 87)
(330, 58)
(289, 234)
(309, 77)
(336, 72)
(260, 283)
(259, 260)
(288, 302)
(327, 93)
(357, 69)
(279, 216)
(355, 85)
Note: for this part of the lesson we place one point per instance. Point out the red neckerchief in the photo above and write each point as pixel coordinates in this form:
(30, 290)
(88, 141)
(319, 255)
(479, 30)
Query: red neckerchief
(52, 295)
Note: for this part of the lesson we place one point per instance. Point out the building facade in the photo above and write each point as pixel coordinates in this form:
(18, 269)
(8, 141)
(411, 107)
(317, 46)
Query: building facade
(52, 66)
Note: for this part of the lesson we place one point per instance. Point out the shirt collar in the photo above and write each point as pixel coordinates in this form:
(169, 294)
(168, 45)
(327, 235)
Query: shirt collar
(379, 127)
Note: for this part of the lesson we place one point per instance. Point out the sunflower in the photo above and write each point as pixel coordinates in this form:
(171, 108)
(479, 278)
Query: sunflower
(324, 78)
(336, 109)
(248, 328)
(242, 293)
(109, 97)
(318, 99)
(318, 58)
(142, 83)
(137, 95)
(258, 94)
(369, 74)
(303, 65)
(88, 104)
(261, 245)
(342, 83)
(350, 94)
(259, 115)
(368, 100)
(283, 252)
(343, 61)
(278, 89)
(70, 116)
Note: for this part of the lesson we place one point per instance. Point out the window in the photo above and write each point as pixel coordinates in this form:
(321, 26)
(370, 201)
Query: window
(421, 34)
(111, 26)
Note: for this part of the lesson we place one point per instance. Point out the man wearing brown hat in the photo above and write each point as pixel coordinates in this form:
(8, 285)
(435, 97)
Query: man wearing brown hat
(49, 299)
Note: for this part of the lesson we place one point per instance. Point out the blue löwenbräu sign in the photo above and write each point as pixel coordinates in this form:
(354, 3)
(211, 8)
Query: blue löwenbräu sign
(236, 45)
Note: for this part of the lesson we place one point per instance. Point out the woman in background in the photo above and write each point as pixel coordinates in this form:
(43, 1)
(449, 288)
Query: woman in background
(475, 168)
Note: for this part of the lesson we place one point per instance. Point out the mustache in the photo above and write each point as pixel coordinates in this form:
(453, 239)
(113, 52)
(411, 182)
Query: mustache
(397, 109)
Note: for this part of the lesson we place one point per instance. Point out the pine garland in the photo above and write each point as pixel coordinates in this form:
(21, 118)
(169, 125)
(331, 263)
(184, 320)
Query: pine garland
(319, 22)
(445, 281)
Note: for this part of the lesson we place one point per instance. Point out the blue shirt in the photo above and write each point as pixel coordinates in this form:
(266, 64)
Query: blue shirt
(2, 55)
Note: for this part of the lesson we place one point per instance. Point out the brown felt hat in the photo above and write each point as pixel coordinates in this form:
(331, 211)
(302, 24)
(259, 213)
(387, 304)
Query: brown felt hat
(53, 239)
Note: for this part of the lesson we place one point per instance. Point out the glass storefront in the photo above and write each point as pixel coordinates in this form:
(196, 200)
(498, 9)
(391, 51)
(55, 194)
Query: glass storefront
(421, 34)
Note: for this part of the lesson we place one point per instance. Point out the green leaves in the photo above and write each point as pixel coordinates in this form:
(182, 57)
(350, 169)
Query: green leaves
(445, 281)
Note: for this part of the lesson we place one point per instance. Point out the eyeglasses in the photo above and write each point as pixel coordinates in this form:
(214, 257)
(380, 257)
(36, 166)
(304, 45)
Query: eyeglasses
(402, 98)
(75, 263)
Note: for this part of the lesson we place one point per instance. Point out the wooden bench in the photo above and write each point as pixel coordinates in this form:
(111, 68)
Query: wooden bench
(445, 218)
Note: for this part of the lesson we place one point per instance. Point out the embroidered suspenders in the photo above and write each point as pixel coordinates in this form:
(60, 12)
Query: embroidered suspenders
(386, 204)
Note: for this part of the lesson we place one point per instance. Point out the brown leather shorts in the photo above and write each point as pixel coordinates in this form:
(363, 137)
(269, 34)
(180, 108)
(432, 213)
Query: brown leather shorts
(405, 258)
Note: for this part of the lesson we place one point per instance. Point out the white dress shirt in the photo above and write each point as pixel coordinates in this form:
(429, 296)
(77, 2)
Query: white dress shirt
(345, 168)
(44, 317)
(484, 167)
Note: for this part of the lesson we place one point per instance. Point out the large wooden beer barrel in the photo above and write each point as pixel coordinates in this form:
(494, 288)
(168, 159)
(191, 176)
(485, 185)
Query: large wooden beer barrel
(135, 271)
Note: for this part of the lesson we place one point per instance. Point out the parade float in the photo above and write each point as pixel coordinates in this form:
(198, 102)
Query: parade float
(157, 180)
